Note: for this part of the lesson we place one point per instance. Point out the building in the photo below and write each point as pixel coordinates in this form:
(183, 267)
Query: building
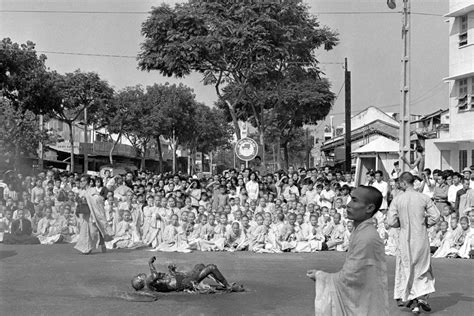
(433, 125)
(455, 148)
(98, 145)
(366, 126)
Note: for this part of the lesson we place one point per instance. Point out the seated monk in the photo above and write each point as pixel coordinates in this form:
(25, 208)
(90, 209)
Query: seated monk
(175, 281)
(21, 231)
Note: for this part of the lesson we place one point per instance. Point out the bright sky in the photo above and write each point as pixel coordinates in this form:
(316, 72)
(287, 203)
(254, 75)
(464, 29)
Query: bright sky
(371, 42)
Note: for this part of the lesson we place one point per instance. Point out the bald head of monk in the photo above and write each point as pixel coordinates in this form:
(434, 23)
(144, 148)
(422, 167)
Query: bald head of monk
(406, 180)
(365, 202)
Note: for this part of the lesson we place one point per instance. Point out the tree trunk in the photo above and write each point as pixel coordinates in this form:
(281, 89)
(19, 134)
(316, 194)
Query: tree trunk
(160, 153)
(278, 153)
(71, 143)
(262, 143)
(111, 152)
(143, 160)
(17, 156)
(173, 141)
(193, 170)
(235, 121)
(287, 158)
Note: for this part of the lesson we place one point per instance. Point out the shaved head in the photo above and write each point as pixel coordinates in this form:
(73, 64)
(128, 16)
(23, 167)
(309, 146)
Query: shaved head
(372, 196)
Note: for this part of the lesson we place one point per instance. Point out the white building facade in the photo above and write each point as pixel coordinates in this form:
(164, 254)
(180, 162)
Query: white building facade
(455, 149)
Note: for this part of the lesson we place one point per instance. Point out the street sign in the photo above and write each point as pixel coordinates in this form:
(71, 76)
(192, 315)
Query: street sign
(246, 149)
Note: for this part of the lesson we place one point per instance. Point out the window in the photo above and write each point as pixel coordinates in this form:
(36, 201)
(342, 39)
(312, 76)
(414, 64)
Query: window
(462, 159)
(462, 96)
(463, 31)
(472, 92)
(60, 126)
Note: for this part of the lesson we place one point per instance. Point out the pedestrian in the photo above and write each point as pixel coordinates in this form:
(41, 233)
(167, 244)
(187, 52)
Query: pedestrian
(413, 212)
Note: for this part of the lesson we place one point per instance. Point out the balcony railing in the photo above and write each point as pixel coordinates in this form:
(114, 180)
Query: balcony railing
(432, 132)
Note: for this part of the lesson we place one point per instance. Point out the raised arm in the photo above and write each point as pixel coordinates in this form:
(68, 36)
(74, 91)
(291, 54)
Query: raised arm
(151, 265)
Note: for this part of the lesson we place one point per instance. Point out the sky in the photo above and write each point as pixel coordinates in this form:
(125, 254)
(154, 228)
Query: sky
(371, 42)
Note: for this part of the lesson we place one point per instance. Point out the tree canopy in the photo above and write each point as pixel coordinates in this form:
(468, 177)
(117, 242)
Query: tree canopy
(232, 42)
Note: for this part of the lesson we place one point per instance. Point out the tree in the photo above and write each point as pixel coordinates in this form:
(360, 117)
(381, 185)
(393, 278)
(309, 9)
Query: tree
(28, 89)
(20, 133)
(301, 98)
(171, 115)
(227, 41)
(210, 131)
(117, 116)
(81, 91)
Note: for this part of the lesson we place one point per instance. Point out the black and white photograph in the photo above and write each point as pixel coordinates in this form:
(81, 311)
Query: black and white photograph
(237, 157)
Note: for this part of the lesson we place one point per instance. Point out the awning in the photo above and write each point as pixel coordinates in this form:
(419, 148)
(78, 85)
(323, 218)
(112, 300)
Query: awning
(460, 76)
(453, 140)
(380, 145)
(460, 11)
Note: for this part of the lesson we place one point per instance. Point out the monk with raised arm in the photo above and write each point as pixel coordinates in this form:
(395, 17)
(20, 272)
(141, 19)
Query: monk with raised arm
(360, 288)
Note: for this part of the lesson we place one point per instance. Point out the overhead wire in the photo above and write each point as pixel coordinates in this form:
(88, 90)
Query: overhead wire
(147, 12)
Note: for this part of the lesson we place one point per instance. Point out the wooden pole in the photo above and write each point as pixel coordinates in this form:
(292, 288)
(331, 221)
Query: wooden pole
(347, 140)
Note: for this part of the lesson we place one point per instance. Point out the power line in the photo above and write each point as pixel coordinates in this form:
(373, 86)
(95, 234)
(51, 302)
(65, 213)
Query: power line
(148, 12)
(134, 57)
(86, 54)
(337, 96)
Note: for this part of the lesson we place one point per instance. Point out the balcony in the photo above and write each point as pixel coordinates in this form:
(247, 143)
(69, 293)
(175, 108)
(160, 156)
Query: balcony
(432, 132)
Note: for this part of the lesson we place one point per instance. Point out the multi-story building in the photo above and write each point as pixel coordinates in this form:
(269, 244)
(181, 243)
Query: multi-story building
(98, 145)
(455, 149)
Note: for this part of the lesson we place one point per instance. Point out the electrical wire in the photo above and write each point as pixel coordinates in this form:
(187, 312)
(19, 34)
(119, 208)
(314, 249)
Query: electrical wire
(148, 12)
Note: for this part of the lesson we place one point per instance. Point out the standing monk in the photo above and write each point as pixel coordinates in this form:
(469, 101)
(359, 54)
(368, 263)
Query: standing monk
(413, 212)
(93, 226)
(360, 288)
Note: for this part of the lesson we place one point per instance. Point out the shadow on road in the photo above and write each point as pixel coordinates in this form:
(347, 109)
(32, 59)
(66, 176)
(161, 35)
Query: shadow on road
(7, 253)
(443, 302)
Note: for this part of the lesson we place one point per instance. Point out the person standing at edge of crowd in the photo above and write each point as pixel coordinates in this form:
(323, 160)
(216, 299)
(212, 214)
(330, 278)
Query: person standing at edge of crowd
(413, 212)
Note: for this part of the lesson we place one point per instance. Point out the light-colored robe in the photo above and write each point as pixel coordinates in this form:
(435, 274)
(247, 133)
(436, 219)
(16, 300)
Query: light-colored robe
(90, 226)
(447, 242)
(360, 288)
(413, 211)
(467, 245)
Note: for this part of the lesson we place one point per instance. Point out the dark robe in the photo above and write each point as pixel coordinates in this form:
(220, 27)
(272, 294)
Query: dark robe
(21, 233)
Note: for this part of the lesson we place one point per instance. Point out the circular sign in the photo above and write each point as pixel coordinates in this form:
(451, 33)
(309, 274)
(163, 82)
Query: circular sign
(246, 149)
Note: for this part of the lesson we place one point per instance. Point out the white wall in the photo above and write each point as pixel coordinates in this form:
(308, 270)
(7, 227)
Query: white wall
(370, 115)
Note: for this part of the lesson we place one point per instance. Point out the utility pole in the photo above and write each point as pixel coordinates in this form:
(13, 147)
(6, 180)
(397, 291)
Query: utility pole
(173, 141)
(404, 134)
(41, 148)
(347, 139)
(405, 89)
(86, 160)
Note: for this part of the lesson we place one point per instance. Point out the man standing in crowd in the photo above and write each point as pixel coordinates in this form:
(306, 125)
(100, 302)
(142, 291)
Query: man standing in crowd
(360, 288)
(454, 188)
(413, 212)
(382, 186)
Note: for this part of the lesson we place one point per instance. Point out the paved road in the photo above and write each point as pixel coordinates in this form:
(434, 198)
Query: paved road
(56, 280)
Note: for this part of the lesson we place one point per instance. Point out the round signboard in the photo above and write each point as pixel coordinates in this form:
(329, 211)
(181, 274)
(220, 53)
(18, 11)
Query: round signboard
(246, 149)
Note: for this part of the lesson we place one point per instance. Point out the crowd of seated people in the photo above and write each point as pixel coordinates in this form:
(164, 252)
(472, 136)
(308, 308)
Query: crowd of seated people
(294, 211)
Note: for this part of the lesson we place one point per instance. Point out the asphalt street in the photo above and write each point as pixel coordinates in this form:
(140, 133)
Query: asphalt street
(56, 280)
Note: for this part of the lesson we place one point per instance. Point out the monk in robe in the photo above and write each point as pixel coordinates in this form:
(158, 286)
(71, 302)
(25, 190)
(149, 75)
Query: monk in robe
(360, 288)
(93, 227)
(413, 212)
(20, 232)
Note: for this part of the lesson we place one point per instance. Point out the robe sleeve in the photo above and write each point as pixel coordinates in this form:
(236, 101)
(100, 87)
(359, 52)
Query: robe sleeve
(392, 215)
